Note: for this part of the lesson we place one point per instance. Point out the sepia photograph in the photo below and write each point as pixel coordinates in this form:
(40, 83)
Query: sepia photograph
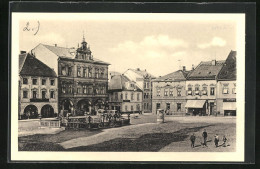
(128, 87)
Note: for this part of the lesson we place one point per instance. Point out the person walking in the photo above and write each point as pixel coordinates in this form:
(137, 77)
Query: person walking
(216, 140)
(205, 135)
(224, 141)
(192, 139)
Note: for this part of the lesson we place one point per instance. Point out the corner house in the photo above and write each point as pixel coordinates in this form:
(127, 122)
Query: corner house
(124, 95)
(37, 88)
(201, 87)
(226, 99)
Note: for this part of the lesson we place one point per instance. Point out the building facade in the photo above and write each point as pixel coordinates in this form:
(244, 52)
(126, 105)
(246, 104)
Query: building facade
(226, 84)
(143, 80)
(83, 82)
(37, 89)
(169, 93)
(201, 88)
(124, 95)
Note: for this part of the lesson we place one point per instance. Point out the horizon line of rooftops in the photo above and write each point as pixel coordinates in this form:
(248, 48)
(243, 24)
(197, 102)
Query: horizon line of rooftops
(204, 70)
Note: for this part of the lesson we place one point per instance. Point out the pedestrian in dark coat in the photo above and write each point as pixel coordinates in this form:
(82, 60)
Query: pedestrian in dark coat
(224, 141)
(216, 140)
(192, 139)
(205, 136)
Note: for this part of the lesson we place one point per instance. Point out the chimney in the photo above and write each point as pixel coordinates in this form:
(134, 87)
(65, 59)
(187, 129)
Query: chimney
(138, 69)
(192, 67)
(213, 62)
(144, 69)
(55, 45)
(184, 68)
(22, 52)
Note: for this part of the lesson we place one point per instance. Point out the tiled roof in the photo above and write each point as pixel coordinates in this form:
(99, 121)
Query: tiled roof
(118, 82)
(206, 71)
(229, 70)
(142, 73)
(34, 67)
(174, 76)
(115, 83)
(61, 51)
(22, 58)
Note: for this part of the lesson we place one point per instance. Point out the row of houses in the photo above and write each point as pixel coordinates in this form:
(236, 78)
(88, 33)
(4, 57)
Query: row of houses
(62, 80)
(208, 89)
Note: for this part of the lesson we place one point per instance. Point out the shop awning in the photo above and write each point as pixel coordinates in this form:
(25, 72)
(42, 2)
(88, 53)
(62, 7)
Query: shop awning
(229, 106)
(195, 103)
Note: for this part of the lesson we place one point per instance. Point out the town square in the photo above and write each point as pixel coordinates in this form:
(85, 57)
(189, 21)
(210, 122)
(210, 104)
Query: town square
(111, 86)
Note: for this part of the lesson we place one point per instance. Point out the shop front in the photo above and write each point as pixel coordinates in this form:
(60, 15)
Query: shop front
(196, 107)
(229, 107)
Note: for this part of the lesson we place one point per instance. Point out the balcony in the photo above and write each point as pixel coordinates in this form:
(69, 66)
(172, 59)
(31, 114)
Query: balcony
(39, 100)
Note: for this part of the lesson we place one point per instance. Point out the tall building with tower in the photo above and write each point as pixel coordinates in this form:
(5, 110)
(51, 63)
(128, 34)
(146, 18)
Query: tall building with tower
(82, 79)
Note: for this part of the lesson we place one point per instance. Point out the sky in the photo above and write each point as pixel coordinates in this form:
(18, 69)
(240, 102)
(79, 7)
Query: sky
(159, 43)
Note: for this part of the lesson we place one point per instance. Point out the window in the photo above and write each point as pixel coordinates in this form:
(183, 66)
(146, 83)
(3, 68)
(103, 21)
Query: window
(97, 73)
(168, 106)
(63, 70)
(43, 94)
(204, 91)
(158, 92)
(126, 96)
(171, 92)
(34, 81)
(116, 96)
(234, 91)
(70, 89)
(90, 90)
(25, 81)
(43, 81)
(25, 94)
(132, 85)
(78, 90)
(132, 96)
(138, 96)
(165, 92)
(147, 85)
(125, 107)
(84, 89)
(90, 72)
(78, 72)
(137, 107)
(69, 71)
(102, 73)
(178, 106)
(158, 106)
(97, 90)
(144, 105)
(147, 105)
(121, 95)
(52, 82)
(34, 94)
(102, 90)
(189, 91)
(132, 107)
(197, 92)
(178, 91)
(212, 91)
(85, 72)
(225, 90)
(52, 95)
(63, 88)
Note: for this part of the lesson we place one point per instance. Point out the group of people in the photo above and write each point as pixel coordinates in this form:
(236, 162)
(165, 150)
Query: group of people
(205, 136)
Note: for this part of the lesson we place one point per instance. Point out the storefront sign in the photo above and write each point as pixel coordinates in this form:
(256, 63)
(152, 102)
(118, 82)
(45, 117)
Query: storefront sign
(229, 100)
(126, 100)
